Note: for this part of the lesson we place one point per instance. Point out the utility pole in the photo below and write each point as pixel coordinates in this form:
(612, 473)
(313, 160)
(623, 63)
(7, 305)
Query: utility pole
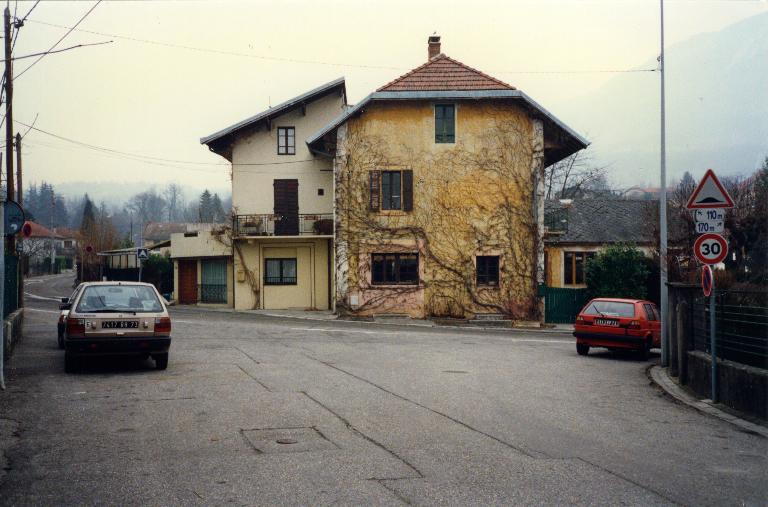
(663, 212)
(20, 200)
(8, 106)
(53, 243)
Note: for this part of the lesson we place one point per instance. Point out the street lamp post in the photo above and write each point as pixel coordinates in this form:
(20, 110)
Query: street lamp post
(663, 212)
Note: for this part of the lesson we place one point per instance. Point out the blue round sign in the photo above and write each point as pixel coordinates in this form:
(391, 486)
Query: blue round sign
(706, 279)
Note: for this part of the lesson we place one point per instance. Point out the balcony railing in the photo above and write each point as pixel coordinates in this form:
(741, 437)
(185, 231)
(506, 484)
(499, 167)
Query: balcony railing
(556, 221)
(284, 225)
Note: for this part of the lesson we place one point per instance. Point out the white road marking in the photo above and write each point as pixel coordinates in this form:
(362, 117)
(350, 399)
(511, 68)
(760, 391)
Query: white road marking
(44, 298)
(335, 330)
(27, 309)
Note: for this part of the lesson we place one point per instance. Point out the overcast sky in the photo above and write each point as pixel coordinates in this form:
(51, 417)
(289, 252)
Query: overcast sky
(155, 100)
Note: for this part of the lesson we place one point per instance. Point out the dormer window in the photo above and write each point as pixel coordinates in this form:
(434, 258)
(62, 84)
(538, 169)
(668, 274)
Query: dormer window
(286, 141)
(445, 123)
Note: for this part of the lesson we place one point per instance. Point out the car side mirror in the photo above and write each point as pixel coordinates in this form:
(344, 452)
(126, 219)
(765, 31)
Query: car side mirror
(65, 300)
(65, 306)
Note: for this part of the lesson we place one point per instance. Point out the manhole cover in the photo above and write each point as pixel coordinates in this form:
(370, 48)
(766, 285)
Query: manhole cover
(283, 440)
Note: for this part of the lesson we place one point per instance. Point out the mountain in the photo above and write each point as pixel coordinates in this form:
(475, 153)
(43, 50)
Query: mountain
(118, 193)
(716, 106)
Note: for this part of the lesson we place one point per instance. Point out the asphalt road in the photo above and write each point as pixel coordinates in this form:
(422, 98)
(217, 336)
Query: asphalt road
(368, 415)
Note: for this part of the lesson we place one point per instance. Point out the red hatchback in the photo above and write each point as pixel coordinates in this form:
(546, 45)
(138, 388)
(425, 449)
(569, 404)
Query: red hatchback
(615, 324)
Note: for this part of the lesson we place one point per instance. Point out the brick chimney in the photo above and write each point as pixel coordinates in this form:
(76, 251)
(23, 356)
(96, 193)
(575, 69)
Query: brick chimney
(433, 46)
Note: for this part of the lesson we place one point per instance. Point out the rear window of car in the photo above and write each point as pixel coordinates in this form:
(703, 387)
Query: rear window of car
(125, 298)
(611, 309)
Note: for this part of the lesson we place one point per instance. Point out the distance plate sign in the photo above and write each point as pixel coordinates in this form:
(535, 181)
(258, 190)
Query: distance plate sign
(710, 248)
(715, 226)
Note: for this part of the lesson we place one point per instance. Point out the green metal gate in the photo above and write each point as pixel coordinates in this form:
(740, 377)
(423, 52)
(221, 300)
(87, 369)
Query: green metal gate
(562, 305)
(213, 288)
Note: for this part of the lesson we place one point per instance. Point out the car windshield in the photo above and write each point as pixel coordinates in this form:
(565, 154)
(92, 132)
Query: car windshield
(611, 309)
(119, 298)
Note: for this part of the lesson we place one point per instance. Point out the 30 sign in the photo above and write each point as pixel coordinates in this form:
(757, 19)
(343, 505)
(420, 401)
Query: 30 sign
(710, 248)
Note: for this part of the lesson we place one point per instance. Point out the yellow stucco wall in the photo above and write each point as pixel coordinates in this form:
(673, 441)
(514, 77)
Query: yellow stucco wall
(473, 197)
(252, 190)
(312, 284)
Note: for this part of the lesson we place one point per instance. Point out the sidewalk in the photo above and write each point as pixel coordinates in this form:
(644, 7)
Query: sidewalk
(661, 378)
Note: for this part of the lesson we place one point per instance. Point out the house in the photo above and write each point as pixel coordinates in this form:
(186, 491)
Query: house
(576, 230)
(281, 238)
(439, 205)
(39, 247)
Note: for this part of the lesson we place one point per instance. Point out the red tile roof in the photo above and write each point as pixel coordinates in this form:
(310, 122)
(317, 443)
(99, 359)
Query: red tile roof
(444, 73)
(39, 231)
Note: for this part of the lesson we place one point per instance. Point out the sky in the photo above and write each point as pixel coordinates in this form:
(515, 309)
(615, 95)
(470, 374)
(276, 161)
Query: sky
(176, 71)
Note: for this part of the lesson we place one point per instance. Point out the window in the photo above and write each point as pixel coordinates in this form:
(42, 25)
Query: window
(610, 309)
(487, 270)
(391, 190)
(573, 267)
(650, 312)
(286, 141)
(445, 123)
(395, 268)
(119, 298)
(279, 271)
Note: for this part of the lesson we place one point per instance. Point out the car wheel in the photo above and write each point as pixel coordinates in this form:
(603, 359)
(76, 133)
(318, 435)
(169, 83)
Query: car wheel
(70, 363)
(582, 349)
(645, 352)
(161, 361)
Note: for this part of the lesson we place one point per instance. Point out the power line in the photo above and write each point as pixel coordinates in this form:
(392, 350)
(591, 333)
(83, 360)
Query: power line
(318, 62)
(59, 41)
(59, 50)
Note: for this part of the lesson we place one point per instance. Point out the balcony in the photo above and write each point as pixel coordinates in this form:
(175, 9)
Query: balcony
(283, 225)
(556, 221)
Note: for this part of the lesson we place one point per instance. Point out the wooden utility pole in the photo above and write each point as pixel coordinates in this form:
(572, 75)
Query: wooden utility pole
(8, 106)
(20, 200)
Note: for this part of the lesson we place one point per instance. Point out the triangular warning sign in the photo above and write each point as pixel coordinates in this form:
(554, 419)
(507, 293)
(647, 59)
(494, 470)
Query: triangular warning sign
(710, 193)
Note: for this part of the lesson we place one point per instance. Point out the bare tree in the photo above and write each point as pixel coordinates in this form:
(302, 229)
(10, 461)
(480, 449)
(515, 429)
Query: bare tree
(570, 177)
(174, 197)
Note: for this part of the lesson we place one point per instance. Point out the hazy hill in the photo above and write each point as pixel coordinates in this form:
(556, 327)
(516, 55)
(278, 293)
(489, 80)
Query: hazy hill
(119, 193)
(717, 108)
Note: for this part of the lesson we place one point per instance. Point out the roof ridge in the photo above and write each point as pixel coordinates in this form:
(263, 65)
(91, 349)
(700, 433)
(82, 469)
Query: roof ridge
(437, 58)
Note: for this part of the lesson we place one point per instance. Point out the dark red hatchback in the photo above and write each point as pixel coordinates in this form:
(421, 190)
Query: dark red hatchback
(618, 324)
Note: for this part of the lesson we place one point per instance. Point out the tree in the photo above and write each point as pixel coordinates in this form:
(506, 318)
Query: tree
(217, 210)
(619, 271)
(147, 207)
(570, 177)
(174, 197)
(206, 210)
(88, 222)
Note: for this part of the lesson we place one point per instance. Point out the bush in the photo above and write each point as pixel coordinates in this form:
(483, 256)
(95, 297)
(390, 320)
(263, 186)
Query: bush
(620, 271)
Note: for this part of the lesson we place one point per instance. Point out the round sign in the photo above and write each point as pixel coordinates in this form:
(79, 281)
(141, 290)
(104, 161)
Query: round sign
(14, 218)
(710, 248)
(706, 280)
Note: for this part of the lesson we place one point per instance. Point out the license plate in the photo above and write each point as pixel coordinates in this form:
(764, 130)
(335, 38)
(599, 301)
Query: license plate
(607, 322)
(120, 324)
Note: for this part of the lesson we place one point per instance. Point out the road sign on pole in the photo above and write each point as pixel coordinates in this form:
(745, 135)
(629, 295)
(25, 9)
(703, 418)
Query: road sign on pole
(710, 193)
(710, 248)
(706, 279)
(142, 254)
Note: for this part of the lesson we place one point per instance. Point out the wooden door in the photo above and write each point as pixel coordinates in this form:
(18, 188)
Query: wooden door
(187, 282)
(287, 207)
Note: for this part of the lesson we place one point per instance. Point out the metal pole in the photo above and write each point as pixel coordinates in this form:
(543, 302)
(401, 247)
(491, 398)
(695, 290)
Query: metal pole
(663, 212)
(713, 341)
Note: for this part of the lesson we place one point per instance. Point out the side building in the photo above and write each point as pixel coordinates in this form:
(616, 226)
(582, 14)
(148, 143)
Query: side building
(281, 237)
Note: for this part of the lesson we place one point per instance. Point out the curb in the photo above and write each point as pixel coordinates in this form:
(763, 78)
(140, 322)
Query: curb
(661, 378)
(272, 316)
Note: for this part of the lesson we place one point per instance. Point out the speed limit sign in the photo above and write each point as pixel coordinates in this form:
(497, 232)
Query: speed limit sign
(710, 248)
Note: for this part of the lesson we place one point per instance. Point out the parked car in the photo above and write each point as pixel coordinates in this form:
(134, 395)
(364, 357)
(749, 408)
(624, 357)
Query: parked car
(116, 318)
(618, 324)
(63, 312)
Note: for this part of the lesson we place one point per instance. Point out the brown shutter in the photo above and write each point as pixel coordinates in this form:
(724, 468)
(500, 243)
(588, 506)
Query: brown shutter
(375, 186)
(407, 190)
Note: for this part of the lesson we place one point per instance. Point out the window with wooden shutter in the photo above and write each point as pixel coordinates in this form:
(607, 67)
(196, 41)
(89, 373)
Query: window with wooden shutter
(375, 188)
(408, 190)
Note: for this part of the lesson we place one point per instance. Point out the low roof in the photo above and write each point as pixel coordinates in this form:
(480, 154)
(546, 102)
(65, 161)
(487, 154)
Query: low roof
(273, 112)
(602, 221)
(39, 231)
(162, 230)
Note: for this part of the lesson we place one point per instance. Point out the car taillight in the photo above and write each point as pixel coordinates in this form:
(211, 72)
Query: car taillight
(75, 328)
(163, 325)
(635, 324)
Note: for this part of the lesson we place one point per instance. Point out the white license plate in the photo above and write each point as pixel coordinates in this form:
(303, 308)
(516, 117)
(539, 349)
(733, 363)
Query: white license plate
(120, 324)
(607, 322)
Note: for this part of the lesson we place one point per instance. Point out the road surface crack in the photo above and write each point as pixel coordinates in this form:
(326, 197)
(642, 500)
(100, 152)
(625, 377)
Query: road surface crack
(519, 449)
(355, 430)
(262, 384)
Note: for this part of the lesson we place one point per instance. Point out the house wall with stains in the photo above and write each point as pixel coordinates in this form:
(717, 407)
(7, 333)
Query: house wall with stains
(472, 197)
